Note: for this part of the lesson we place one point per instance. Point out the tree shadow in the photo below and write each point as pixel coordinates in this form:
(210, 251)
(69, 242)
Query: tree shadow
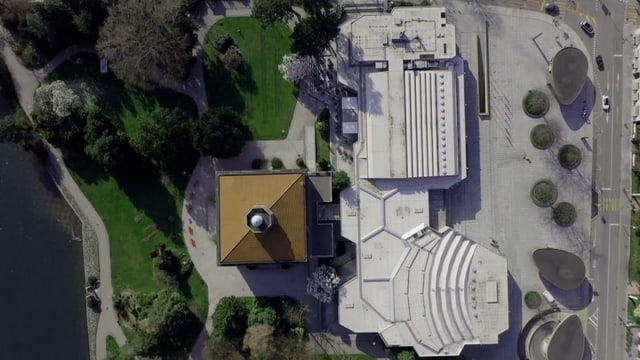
(221, 86)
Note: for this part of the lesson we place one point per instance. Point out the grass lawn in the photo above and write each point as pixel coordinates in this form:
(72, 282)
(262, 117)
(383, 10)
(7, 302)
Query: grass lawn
(139, 212)
(635, 178)
(322, 148)
(258, 90)
(125, 104)
(113, 350)
(140, 209)
(634, 258)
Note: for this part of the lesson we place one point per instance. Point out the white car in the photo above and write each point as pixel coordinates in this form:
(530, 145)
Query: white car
(605, 103)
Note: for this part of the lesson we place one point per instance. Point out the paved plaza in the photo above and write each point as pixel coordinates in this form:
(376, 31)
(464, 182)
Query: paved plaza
(493, 203)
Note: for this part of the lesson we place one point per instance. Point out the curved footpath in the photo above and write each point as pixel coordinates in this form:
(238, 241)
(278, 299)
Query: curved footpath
(26, 82)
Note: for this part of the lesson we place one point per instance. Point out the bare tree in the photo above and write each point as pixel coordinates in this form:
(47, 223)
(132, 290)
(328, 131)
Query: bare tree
(147, 41)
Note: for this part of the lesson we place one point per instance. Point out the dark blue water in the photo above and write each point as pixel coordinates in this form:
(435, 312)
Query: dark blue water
(42, 306)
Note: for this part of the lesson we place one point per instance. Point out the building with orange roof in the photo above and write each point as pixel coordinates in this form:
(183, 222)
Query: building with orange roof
(262, 218)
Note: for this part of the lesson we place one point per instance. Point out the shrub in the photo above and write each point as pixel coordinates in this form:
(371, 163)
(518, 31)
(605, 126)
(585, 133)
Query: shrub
(230, 317)
(232, 59)
(569, 157)
(29, 56)
(92, 280)
(300, 163)
(532, 299)
(564, 214)
(406, 355)
(535, 104)
(223, 42)
(262, 315)
(276, 163)
(323, 165)
(544, 193)
(256, 164)
(323, 129)
(340, 180)
(92, 302)
(542, 136)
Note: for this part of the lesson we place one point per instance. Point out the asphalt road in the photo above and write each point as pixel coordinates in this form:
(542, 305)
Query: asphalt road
(611, 145)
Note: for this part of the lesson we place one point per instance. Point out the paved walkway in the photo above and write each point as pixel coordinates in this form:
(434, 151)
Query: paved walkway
(26, 82)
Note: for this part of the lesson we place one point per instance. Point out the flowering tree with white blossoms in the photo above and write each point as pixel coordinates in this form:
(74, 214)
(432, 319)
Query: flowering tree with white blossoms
(57, 97)
(295, 67)
(323, 283)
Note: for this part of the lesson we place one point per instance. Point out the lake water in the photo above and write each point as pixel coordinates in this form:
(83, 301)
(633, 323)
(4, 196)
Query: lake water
(42, 305)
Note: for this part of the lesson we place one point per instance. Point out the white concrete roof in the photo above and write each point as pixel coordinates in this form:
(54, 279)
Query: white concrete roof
(414, 123)
(412, 110)
(434, 291)
(417, 32)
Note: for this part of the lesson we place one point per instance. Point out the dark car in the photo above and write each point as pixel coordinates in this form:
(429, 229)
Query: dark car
(600, 63)
(605, 9)
(586, 26)
(552, 9)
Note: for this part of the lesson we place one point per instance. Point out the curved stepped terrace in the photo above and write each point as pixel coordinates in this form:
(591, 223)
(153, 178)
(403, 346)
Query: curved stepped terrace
(437, 299)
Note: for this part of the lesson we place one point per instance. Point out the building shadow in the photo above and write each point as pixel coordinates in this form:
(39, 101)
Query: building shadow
(576, 299)
(573, 113)
(464, 199)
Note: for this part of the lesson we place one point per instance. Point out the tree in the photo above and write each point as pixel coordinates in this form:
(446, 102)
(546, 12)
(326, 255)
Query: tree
(57, 115)
(232, 58)
(18, 130)
(229, 317)
(257, 339)
(49, 24)
(220, 133)
(168, 320)
(295, 67)
(262, 315)
(105, 144)
(323, 129)
(269, 12)
(312, 34)
(147, 40)
(340, 180)
(13, 13)
(164, 138)
(406, 355)
(322, 283)
(221, 348)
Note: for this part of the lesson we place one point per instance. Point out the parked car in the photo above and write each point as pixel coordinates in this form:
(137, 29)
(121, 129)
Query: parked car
(606, 105)
(552, 9)
(600, 63)
(586, 26)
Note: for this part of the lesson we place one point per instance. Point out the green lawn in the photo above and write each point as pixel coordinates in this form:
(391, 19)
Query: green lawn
(634, 258)
(134, 207)
(125, 104)
(138, 209)
(322, 148)
(258, 91)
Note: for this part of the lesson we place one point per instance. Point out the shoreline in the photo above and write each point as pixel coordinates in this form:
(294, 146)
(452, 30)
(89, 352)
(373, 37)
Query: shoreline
(90, 255)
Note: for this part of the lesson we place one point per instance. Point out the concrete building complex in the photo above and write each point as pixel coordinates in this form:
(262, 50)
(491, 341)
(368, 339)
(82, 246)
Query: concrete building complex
(418, 282)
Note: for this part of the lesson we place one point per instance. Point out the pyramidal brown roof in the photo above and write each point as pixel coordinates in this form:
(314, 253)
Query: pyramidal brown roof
(284, 195)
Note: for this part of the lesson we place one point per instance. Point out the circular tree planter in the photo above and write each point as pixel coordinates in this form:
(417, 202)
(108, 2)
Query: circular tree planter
(544, 193)
(532, 299)
(542, 136)
(570, 157)
(535, 104)
(564, 214)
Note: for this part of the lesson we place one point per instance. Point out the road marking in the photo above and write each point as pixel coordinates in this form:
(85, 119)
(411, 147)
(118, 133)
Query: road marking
(610, 204)
(617, 55)
(608, 82)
